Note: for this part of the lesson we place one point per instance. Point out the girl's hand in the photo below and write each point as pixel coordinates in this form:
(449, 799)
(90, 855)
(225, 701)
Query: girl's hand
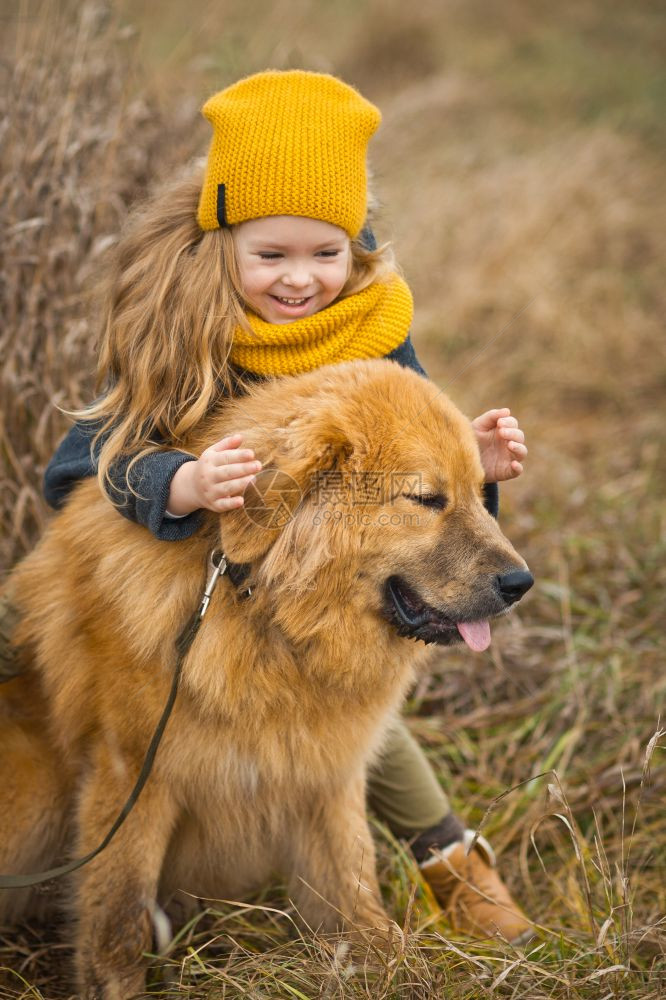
(216, 481)
(501, 444)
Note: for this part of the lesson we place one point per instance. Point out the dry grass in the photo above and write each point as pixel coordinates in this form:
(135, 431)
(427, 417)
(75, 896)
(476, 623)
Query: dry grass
(519, 167)
(81, 137)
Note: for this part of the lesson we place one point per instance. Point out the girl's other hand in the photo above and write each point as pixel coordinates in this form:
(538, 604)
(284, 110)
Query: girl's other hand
(216, 481)
(501, 445)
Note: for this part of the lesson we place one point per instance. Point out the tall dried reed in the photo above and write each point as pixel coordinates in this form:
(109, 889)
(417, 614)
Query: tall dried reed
(80, 139)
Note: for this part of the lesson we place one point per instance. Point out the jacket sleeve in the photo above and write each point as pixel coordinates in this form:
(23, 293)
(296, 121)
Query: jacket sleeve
(150, 480)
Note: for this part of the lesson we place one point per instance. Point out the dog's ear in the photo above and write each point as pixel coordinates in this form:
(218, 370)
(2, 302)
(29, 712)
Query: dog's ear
(294, 458)
(314, 445)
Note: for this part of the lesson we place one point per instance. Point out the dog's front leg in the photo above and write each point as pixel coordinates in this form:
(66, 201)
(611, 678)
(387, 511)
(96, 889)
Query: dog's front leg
(116, 893)
(334, 881)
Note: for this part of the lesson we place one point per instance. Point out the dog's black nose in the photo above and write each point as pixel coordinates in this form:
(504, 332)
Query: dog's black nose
(513, 585)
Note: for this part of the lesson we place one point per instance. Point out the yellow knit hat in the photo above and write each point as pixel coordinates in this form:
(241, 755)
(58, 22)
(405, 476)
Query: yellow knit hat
(287, 143)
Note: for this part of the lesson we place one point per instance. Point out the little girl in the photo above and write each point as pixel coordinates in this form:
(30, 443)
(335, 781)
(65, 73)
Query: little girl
(264, 270)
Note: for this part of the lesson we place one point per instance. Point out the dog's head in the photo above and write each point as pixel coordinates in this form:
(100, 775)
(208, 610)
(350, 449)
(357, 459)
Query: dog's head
(370, 501)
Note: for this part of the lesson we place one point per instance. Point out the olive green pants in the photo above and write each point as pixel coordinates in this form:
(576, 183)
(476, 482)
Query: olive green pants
(402, 788)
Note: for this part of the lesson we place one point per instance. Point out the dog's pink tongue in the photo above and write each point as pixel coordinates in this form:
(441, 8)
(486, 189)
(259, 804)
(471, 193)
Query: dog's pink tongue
(475, 634)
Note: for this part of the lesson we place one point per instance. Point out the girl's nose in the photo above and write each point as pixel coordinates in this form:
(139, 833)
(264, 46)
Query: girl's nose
(298, 276)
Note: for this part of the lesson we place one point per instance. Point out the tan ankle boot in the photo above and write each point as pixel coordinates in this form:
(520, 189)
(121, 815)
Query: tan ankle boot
(471, 893)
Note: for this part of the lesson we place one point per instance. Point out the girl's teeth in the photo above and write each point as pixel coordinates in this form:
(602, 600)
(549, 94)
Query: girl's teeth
(291, 302)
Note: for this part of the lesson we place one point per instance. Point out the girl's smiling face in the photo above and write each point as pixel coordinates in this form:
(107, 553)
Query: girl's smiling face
(291, 266)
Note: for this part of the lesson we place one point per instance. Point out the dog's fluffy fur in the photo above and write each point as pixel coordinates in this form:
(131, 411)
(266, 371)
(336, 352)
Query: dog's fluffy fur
(285, 696)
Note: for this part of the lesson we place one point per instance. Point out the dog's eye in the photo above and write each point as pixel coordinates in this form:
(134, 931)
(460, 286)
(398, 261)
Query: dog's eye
(436, 501)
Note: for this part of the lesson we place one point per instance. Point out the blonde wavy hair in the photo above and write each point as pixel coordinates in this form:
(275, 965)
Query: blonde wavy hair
(170, 306)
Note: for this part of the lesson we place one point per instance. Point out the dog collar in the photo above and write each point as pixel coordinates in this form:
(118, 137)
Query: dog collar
(219, 565)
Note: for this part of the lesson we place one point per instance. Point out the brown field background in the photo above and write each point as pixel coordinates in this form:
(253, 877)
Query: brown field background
(519, 171)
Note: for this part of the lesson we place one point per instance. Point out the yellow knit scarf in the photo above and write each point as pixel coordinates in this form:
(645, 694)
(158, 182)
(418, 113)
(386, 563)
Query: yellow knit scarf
(370, 324)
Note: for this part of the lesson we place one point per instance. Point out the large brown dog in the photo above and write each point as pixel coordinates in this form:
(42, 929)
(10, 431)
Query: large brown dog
(285, 694)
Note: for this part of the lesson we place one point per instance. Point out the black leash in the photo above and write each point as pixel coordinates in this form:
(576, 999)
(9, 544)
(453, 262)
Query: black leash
(217, 565)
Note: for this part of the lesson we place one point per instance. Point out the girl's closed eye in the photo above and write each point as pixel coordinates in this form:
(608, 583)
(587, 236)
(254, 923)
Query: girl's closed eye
(275, 255)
